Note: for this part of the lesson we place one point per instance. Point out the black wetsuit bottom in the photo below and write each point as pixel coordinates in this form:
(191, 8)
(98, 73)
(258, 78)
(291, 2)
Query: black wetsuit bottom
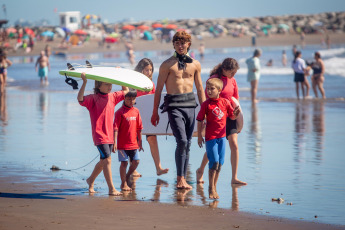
(182, 122)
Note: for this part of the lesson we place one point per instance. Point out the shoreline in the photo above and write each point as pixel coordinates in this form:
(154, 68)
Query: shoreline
(39, 203)
(221, 42)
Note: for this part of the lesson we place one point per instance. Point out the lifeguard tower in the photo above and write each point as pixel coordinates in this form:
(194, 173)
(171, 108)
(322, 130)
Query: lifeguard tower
(70, 20)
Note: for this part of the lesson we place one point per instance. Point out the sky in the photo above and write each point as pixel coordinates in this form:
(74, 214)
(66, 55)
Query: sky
(154, 10)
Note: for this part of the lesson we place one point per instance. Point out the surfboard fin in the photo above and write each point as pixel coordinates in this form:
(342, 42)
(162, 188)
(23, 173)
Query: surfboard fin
(88, 64)
(70, 67)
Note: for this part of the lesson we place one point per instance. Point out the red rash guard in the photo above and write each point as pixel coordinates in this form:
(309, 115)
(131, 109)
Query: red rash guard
(216, 112)
(128, 123)
(101, 108)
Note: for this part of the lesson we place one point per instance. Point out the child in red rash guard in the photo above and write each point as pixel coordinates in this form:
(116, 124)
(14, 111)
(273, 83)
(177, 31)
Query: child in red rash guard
(127, 138)
(101, 106)
(215, 110)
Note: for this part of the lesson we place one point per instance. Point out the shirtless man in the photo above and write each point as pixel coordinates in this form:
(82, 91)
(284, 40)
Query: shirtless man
(178, 74)
(44, 66)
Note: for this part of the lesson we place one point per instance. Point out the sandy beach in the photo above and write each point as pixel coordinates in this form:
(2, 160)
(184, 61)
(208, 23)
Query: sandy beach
(41, 201)
(221, 42)
(40, 205)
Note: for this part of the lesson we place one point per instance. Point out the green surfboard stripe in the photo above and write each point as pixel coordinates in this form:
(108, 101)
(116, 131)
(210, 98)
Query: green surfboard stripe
(103, 79)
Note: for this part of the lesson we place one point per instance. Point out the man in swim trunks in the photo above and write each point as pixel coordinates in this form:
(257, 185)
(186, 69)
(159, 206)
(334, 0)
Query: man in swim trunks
(178, 73)
(44, 66)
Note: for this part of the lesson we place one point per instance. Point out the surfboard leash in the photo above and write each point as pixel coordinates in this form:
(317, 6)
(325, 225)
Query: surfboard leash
(71, 82)
(56, 168)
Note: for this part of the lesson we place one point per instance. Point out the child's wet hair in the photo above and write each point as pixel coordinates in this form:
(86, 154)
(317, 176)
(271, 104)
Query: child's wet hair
(216, 82)
(97, 86)
(227, 64)
(142, 64)
(131, 93)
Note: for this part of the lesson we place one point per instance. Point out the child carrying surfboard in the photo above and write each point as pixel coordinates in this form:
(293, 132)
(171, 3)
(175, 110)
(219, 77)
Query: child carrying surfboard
(101, 105)
(127, 138)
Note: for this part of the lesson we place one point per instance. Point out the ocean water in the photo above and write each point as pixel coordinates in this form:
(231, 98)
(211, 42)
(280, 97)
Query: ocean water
(288, 148)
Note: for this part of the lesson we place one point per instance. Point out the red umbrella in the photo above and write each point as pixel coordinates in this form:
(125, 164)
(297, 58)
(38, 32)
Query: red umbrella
(157, 25)
(128, 27)
(171, 26)
(80, 32)
(143, 27)
(29, 31)
(110, 40)
(11, 30)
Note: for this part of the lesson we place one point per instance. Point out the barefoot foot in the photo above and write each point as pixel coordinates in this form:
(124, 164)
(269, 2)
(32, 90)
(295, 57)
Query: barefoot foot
(199, 176)
(237, 181)
(124, 187)
(115, 193)
(136, 174)
(162, 171)
(91, 189)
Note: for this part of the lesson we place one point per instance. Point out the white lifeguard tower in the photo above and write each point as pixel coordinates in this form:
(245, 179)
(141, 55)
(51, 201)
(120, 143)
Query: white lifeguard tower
(70, 20)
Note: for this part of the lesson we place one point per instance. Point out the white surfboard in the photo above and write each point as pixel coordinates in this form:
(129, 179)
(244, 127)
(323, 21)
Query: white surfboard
(113, 75)
(239, 119)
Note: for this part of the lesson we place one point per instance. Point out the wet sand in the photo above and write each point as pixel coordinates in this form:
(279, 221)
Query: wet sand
(38, 204)
(222, 42)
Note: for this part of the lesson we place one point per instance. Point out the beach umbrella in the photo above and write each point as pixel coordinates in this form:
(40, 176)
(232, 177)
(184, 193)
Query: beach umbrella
(90, 16)
(157, 25)
(60, 31)
(111, 40)
(283, 26)
(80, 32)
(128, 27)
(47, 34)
(266, 27)
(29, 31)
(143, 27)
(11, 30)
(148, 36)
(171, 26)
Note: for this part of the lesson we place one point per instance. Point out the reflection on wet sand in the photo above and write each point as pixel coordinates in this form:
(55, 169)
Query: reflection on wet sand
(3, 109)
(235, 204)
(319, 127)
(302, 128)
(157, 192)
(254, 137)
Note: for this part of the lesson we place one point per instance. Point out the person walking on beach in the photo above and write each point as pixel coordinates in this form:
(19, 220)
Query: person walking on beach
(127, 138)
(101, 105)
(299, 66)
(4, 64)
(284, 58)
(215, 110)
(145, 66)
(178, 74)
(202, 51)
(253, 75)
(318, 78)
(42, 66)
(226, 72)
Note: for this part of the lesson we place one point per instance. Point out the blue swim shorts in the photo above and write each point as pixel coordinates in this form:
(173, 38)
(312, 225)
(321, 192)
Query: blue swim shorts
(131, 154)
(215, 150)
(43, 72)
